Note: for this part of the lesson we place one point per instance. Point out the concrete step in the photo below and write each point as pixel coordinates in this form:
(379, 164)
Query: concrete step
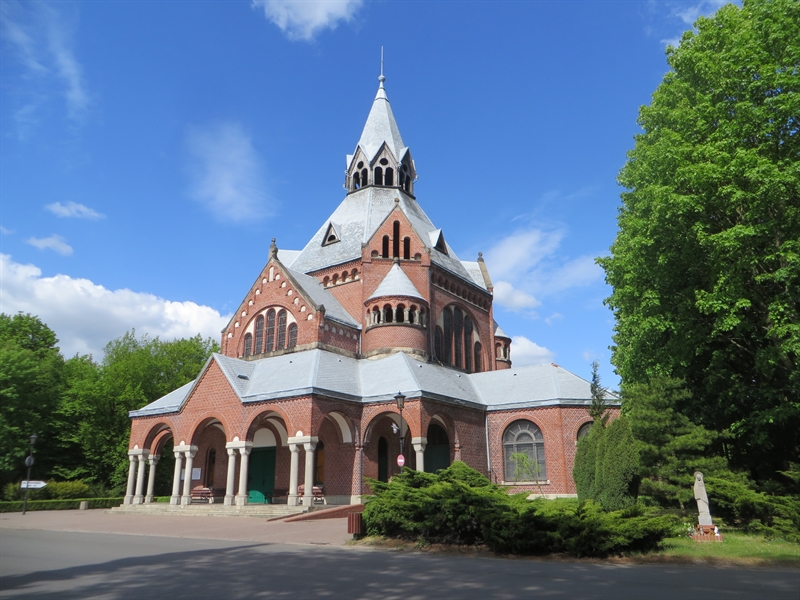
(268, 511)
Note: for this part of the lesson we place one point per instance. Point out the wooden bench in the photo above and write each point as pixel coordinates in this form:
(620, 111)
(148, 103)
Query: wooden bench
(204, 494)
(317, 493)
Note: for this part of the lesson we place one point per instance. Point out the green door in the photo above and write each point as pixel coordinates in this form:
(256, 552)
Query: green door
(437, 451)
(261, 476)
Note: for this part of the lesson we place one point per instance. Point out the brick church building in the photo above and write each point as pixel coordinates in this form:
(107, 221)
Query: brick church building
(373, 336)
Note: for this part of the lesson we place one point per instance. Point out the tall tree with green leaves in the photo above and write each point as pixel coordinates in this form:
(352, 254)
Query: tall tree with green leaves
(31, 382)
(705, 268)
(598, 409)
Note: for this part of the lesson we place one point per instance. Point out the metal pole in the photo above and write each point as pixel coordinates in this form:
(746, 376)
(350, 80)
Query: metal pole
(29, 464)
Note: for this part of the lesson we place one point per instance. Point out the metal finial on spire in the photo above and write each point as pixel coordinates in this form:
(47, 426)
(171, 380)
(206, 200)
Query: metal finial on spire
(381, 78)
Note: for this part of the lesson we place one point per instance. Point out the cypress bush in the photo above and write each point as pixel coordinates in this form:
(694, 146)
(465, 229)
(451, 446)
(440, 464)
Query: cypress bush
(458, 505)
(619, 465)
(585, 459)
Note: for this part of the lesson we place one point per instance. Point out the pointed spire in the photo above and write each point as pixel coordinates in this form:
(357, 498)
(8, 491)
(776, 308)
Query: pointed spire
(381, 126)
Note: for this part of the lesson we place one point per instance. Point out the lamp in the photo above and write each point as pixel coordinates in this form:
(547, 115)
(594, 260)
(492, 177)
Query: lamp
(400, 399)
(29, 464)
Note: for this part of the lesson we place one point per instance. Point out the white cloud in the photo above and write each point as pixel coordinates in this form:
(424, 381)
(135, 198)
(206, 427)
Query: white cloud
(555, 317)
(226, 172)
(303, 20)
(86, 316)
(54, 242)
(705, 8)
(6, 231)
(40, 37)
(513, 299)
(527, 266)
(73, 209)
(525, 352)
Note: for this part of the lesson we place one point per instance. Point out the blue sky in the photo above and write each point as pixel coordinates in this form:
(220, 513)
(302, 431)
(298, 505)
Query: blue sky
(149, 151)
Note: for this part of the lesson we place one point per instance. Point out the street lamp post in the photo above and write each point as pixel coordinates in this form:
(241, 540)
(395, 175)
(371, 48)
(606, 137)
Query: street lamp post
(29, 464)
(401, 401)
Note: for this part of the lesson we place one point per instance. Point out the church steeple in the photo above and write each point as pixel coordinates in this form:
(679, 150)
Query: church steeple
(381, 158)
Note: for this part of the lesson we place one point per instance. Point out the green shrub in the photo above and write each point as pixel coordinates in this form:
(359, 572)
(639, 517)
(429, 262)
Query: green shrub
(460, 506)
(585, 462)
(72, 504)
(67, 490)
(619, 485)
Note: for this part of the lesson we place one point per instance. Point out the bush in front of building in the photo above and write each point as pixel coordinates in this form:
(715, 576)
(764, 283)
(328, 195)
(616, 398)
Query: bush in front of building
(458, 505)
(71, 504)
(54, 490)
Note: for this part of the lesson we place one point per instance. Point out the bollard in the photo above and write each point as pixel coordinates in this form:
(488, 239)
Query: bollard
(355, 525)
(84, 505)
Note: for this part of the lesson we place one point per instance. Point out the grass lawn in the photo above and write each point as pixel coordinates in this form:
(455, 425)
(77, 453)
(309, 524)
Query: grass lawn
(737, 548)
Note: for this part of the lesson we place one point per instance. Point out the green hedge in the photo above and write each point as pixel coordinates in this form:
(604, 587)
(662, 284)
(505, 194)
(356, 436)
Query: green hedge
(73, 504)
(458, 505)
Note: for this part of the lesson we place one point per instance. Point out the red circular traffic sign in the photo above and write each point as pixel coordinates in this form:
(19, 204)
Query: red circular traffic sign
(401, 460)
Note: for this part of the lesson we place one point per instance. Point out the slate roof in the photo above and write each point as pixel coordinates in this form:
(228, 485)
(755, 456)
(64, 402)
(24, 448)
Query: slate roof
(498, 332)
(381, 127)
(328, 374)
(396, 283)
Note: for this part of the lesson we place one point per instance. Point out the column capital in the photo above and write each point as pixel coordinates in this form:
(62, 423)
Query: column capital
(303, 439)
(245, 450)
(419, 443)
(231, 451)
(138, 452)
(154, 458)
(311, 446)
(239, 444)
(185, 448)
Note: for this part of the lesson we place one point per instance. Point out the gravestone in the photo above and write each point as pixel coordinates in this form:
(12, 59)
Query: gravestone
(701, 497)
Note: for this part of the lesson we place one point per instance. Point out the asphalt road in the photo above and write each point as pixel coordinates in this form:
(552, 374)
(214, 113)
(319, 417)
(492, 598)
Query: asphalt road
(64, 564)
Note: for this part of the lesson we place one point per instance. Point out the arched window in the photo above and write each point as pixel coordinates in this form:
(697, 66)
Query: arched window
(438, 348)
(458, 332)
(385, 253)
(388, 179)
(248, 344)
(468, 344)
(270, 330)
(259, 335)
(281, 330)
(356, 180)
(396, 240)
(319, 464)
(523, 452)
(211, 460)
(583, 430)
(292, 335)
(378, 176)
(364, 180)
(478, 368)
(448, 336)
(376, 315)
(383, 460)
(406, 248)
(387, 314)
(400, 314)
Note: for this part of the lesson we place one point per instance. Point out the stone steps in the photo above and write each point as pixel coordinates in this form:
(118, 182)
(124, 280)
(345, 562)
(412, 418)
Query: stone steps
(268, 511)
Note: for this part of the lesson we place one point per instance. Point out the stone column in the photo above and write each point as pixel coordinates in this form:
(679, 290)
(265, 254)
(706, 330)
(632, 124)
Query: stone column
(419, 444)
(139, 497)
(176, 479)
(294, 467)
(229, 491)
(186, 499)
(151, 478)
(241, 498)
(308, 495)
(131, 478)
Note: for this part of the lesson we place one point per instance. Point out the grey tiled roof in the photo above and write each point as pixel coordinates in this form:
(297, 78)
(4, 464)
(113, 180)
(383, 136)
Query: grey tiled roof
(474, 270)
(317, 292)
(287, 257)
(381, 127)
(328, 374)
(498, 332)
(396, 283)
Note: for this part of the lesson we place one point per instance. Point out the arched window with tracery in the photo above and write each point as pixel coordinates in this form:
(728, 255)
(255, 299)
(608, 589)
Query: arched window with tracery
(292, 335)
(458, 333)
(478, 366)
(259, 335)
(468, 344)
(523, 452)
(248, 344)
(281, 330)
(438, 348)
(270, 330)
(448, 335)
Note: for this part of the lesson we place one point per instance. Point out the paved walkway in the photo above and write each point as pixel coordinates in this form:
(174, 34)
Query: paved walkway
(328, 532)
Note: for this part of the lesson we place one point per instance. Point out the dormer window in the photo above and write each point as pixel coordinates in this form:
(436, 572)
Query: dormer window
(332, 233)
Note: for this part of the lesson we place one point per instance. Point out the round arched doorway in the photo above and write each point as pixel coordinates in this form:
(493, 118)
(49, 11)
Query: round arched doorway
(437, 450)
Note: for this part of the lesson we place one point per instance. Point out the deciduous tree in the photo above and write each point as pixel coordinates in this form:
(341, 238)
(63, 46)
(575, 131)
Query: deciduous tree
(705, 268)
